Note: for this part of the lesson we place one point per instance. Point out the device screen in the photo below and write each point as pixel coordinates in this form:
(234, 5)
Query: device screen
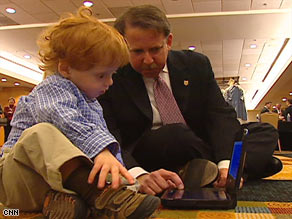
(204, 194)
(235, 160)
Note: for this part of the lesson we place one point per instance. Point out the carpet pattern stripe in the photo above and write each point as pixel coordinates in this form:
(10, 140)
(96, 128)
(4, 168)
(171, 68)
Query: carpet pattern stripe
(270, 198)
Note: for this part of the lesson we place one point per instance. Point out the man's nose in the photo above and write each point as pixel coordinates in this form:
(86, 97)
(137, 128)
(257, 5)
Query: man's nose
(148, 58)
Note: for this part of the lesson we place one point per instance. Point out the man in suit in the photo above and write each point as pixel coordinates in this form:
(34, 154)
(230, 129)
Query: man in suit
(267, 107)
(278, 110)
(288, 111)
(152, 150)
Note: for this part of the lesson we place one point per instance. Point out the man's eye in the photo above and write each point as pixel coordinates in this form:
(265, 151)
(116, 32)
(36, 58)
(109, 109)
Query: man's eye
(101, 76)
(137, 51)
(155, 50)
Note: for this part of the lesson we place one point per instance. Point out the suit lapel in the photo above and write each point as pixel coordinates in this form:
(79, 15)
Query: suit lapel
(134, 85)
(179, 80)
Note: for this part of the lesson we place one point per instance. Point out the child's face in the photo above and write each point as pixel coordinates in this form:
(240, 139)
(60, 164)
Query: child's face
(93, 82)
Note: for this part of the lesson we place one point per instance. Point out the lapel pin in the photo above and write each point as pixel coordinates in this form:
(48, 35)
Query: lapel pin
(186, 82)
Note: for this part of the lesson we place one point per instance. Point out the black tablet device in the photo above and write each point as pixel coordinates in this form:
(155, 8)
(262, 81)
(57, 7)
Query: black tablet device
(211, 198)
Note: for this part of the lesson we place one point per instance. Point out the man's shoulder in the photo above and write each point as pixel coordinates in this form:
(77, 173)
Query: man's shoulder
(186, 53)
(184, 57)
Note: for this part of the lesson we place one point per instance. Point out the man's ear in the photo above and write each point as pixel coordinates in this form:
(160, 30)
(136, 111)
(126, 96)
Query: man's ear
(169, 41)
(64, 69)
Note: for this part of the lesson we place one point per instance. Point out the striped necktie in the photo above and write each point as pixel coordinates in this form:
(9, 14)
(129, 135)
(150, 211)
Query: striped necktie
(166, 104)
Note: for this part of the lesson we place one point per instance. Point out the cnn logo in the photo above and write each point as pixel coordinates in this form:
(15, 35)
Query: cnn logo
(10, 212)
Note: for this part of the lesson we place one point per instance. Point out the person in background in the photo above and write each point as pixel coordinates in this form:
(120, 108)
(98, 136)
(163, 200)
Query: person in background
(234, 95)
(267, 108)
(59, 145)
(288, 111)
(278, 110)
(8, 113)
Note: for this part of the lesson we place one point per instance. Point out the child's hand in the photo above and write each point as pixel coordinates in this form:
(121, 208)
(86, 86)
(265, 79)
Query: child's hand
(106, 163)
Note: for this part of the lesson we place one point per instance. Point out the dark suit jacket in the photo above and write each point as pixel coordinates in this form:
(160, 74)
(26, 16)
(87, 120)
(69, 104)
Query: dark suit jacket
(288, 110)
(128, 112)
(265, 110)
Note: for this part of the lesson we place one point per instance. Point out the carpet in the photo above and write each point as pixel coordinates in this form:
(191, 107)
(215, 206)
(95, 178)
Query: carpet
(269, 198)
(263, 190)
(286, 172)
(244, 209)
(286, 155)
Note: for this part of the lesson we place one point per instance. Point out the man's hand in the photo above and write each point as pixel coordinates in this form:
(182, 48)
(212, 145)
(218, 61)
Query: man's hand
(222, 179)
(158, 181)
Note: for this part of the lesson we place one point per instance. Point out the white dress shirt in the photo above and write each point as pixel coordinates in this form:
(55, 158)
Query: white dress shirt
(157, 123)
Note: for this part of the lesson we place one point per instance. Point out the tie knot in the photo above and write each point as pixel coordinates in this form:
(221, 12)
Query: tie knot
(158, 79)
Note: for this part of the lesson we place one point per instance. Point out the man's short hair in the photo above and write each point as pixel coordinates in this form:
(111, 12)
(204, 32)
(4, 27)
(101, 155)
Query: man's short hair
(268, 103)
(145, 17)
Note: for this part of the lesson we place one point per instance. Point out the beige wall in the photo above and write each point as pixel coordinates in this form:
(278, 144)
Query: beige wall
(15, 92)
(5, 93)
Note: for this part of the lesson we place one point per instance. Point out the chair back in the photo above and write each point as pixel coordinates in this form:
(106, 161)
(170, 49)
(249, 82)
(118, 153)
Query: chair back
(253, 115)
(271, 118)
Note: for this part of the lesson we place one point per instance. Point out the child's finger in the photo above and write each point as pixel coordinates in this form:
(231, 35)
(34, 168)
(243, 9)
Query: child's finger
(95, 169)
(102, 177)
(124, 172)
(115, 177)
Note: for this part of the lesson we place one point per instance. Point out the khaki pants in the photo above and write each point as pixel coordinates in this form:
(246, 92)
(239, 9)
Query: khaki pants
(31, 167)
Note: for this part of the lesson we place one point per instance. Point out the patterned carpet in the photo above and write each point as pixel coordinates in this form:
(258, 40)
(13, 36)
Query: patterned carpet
(264, 199)
(270, 198)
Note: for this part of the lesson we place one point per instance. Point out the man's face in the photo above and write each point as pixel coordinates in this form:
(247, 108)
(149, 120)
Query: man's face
(269, 105)
(11, 102)
(148, 50)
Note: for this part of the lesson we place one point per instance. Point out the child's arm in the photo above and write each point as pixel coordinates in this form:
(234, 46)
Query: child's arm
(104, 163)
(81, 122)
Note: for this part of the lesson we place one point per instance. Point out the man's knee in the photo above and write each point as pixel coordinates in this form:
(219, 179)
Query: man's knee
(181, 140)
(177, 132)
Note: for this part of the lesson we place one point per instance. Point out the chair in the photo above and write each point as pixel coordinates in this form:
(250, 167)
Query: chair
(273, 119)
(252, 115)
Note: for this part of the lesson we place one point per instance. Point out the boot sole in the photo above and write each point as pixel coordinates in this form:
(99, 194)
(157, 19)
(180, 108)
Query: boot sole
(199, 173)
(146, 208)
(58, 205)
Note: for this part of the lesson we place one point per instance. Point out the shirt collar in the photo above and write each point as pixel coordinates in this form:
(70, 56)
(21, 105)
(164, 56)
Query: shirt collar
(165, 69)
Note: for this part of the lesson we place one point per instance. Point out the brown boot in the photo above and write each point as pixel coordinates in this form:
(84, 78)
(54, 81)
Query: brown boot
(198, 173)
(59, 205)
(124, 203)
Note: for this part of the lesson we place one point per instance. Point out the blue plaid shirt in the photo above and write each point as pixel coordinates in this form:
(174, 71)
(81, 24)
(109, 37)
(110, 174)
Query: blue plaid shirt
(58, 101)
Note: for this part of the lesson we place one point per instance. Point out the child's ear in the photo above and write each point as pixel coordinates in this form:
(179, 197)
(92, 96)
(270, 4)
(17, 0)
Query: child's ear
(64, 69)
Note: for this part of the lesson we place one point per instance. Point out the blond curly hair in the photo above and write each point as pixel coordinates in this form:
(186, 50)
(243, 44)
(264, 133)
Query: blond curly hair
(82, 41)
